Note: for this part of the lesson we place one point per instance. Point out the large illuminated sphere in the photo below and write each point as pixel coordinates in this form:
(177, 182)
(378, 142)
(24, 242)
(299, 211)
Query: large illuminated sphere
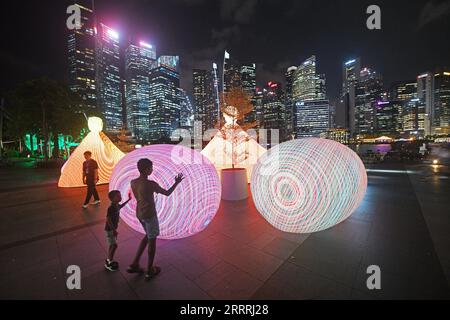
(193, 204)
(308, 185)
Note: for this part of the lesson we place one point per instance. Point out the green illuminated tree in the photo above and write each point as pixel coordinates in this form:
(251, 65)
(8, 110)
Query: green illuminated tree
(46, 108)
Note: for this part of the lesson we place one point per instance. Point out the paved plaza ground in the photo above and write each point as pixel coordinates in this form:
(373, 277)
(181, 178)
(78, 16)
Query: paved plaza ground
(403, 226)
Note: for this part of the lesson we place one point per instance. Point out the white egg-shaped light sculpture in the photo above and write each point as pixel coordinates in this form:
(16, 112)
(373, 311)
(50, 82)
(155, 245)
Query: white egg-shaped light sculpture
(103, 151)
(193, 204)
(308, 185)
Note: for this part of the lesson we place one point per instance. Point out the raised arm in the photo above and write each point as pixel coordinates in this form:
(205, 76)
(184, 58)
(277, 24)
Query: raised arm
(168, 192)
(125, 203)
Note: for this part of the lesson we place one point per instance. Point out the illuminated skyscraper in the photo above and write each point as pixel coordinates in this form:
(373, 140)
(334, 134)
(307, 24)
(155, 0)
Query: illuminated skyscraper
(169, 62)
(311, 108)
(307, 84)
(388, 117)
(425, 92)
(164, 108)
(186, 111)
(289, 99)
(345, 105)
(350, 74)
(248, 78)
(312, 118)
(109, 93)
(413, 117)
(248, 84)
(404, 91)
(216, 93)
(442, 101)
(81, 53)
(231, 73)
(139, 60)
(259, 95)
(368, 91)
(203, 93)
(271, 110)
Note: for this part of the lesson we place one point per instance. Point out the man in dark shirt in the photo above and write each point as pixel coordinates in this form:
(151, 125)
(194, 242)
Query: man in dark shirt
(144, 190)
(111, 225)
(90, 178)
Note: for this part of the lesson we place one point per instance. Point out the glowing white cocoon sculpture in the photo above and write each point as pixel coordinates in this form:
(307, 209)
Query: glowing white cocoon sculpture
(219, 152)
(308, 185)
(193, 204)
(103, 151)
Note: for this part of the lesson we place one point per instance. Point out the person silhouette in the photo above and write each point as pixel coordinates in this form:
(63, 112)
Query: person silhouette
(90, 178)
(143, 191)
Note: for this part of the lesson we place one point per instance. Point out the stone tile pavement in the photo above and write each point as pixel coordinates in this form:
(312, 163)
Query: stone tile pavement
(402, 226)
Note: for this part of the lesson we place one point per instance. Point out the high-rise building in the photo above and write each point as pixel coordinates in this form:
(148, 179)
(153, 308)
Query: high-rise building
(186, 111)
(312, 117)
(425, 92)
(139, 60)
(164, 109)
(337, 134)
(170, 62)
(413, 117)
(204, 102)
(368, 92)
(311, 108)
(307, 84)
(81, 54)
(109, 91)
(248, 84)
(259, 95)
(216, 93)
(272, 109)
(403, 91)
(289, 99)
(350, 74)
(345, 105)
(272, 106)
(231, 73)
(388, 117)
(345, 111)
(441, 120)
(248, 78)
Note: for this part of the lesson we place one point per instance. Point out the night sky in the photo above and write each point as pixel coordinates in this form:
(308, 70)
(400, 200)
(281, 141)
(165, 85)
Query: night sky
(275, 34)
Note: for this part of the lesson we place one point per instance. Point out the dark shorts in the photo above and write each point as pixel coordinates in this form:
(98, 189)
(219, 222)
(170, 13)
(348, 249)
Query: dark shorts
(111, 239)
(151, 227)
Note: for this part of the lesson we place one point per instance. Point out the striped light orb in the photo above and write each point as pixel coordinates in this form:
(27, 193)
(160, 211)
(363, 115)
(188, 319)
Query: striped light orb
(193, 204)
(308, 185)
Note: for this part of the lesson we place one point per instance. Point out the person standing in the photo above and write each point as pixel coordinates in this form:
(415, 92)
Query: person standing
(144, 190)
(111, 225)
(90, 178)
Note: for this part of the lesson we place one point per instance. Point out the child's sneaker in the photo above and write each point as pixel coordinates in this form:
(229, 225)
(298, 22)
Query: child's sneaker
(111, 265)
(96, 202)
(84, 206)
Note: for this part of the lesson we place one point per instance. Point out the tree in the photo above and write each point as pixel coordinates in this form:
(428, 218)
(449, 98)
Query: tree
(46, 108)
(235, 105)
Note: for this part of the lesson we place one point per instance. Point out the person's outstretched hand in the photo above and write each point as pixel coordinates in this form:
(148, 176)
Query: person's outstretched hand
(179, 178)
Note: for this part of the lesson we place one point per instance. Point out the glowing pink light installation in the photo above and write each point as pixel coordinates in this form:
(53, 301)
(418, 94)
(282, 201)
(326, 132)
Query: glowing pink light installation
(193, 204)
(308, 185)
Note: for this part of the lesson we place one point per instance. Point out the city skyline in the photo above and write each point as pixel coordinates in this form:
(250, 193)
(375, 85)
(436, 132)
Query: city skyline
(199, 42)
